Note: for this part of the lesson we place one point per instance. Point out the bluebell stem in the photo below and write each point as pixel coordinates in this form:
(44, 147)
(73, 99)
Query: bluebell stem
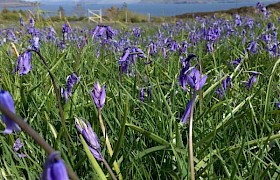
(149, 93)
(90, 137)
(98, 95)
(163, 50)
(7, 100)
(23, 63)
(54, 168)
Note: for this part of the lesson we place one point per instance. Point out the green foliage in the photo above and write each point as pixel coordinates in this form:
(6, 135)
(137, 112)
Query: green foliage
(236, 137)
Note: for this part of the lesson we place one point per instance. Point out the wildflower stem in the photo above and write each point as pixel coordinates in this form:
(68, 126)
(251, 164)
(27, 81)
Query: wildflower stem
(190, 138)
(108, 144)
(109, 169)
(31, 132)
(57, 94)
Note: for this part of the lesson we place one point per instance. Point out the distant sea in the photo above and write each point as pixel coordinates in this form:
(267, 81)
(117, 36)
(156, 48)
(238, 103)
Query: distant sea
(149, 8)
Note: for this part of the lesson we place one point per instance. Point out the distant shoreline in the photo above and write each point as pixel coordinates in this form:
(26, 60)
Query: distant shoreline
(14, 5)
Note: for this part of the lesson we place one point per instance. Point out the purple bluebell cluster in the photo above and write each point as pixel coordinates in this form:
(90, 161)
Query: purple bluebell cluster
(103, 31)
(129, 57)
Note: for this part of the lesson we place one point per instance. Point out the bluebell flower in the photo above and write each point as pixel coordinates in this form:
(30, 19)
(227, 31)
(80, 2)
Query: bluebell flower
(184, 71)
(237, 20)
(65, 28)
(90, 137)
(210, 47)
(21, 21)
(17, 146)
(225, 83)
(277, 104)
(253, 47)
(23, 63)
(136, 32)
(35, 43)
(31, 22)
(98, 95)
(7, 101)
(236, 62)
(251, 80)
(196, 80)
(109, 32)
(54, 168)
(71, 80)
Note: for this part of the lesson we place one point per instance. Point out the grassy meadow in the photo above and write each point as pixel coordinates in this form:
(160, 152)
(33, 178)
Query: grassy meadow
(236, 125)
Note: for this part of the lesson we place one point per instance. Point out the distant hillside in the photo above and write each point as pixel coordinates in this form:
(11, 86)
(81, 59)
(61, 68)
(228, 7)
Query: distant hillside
(13, 3)
(241, 11)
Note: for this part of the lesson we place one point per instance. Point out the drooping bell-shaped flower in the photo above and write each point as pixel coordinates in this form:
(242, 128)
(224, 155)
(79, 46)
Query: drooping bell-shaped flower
(90, 137)
(98, 95)
(7, 101)
(54, 168)
(24, 63)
